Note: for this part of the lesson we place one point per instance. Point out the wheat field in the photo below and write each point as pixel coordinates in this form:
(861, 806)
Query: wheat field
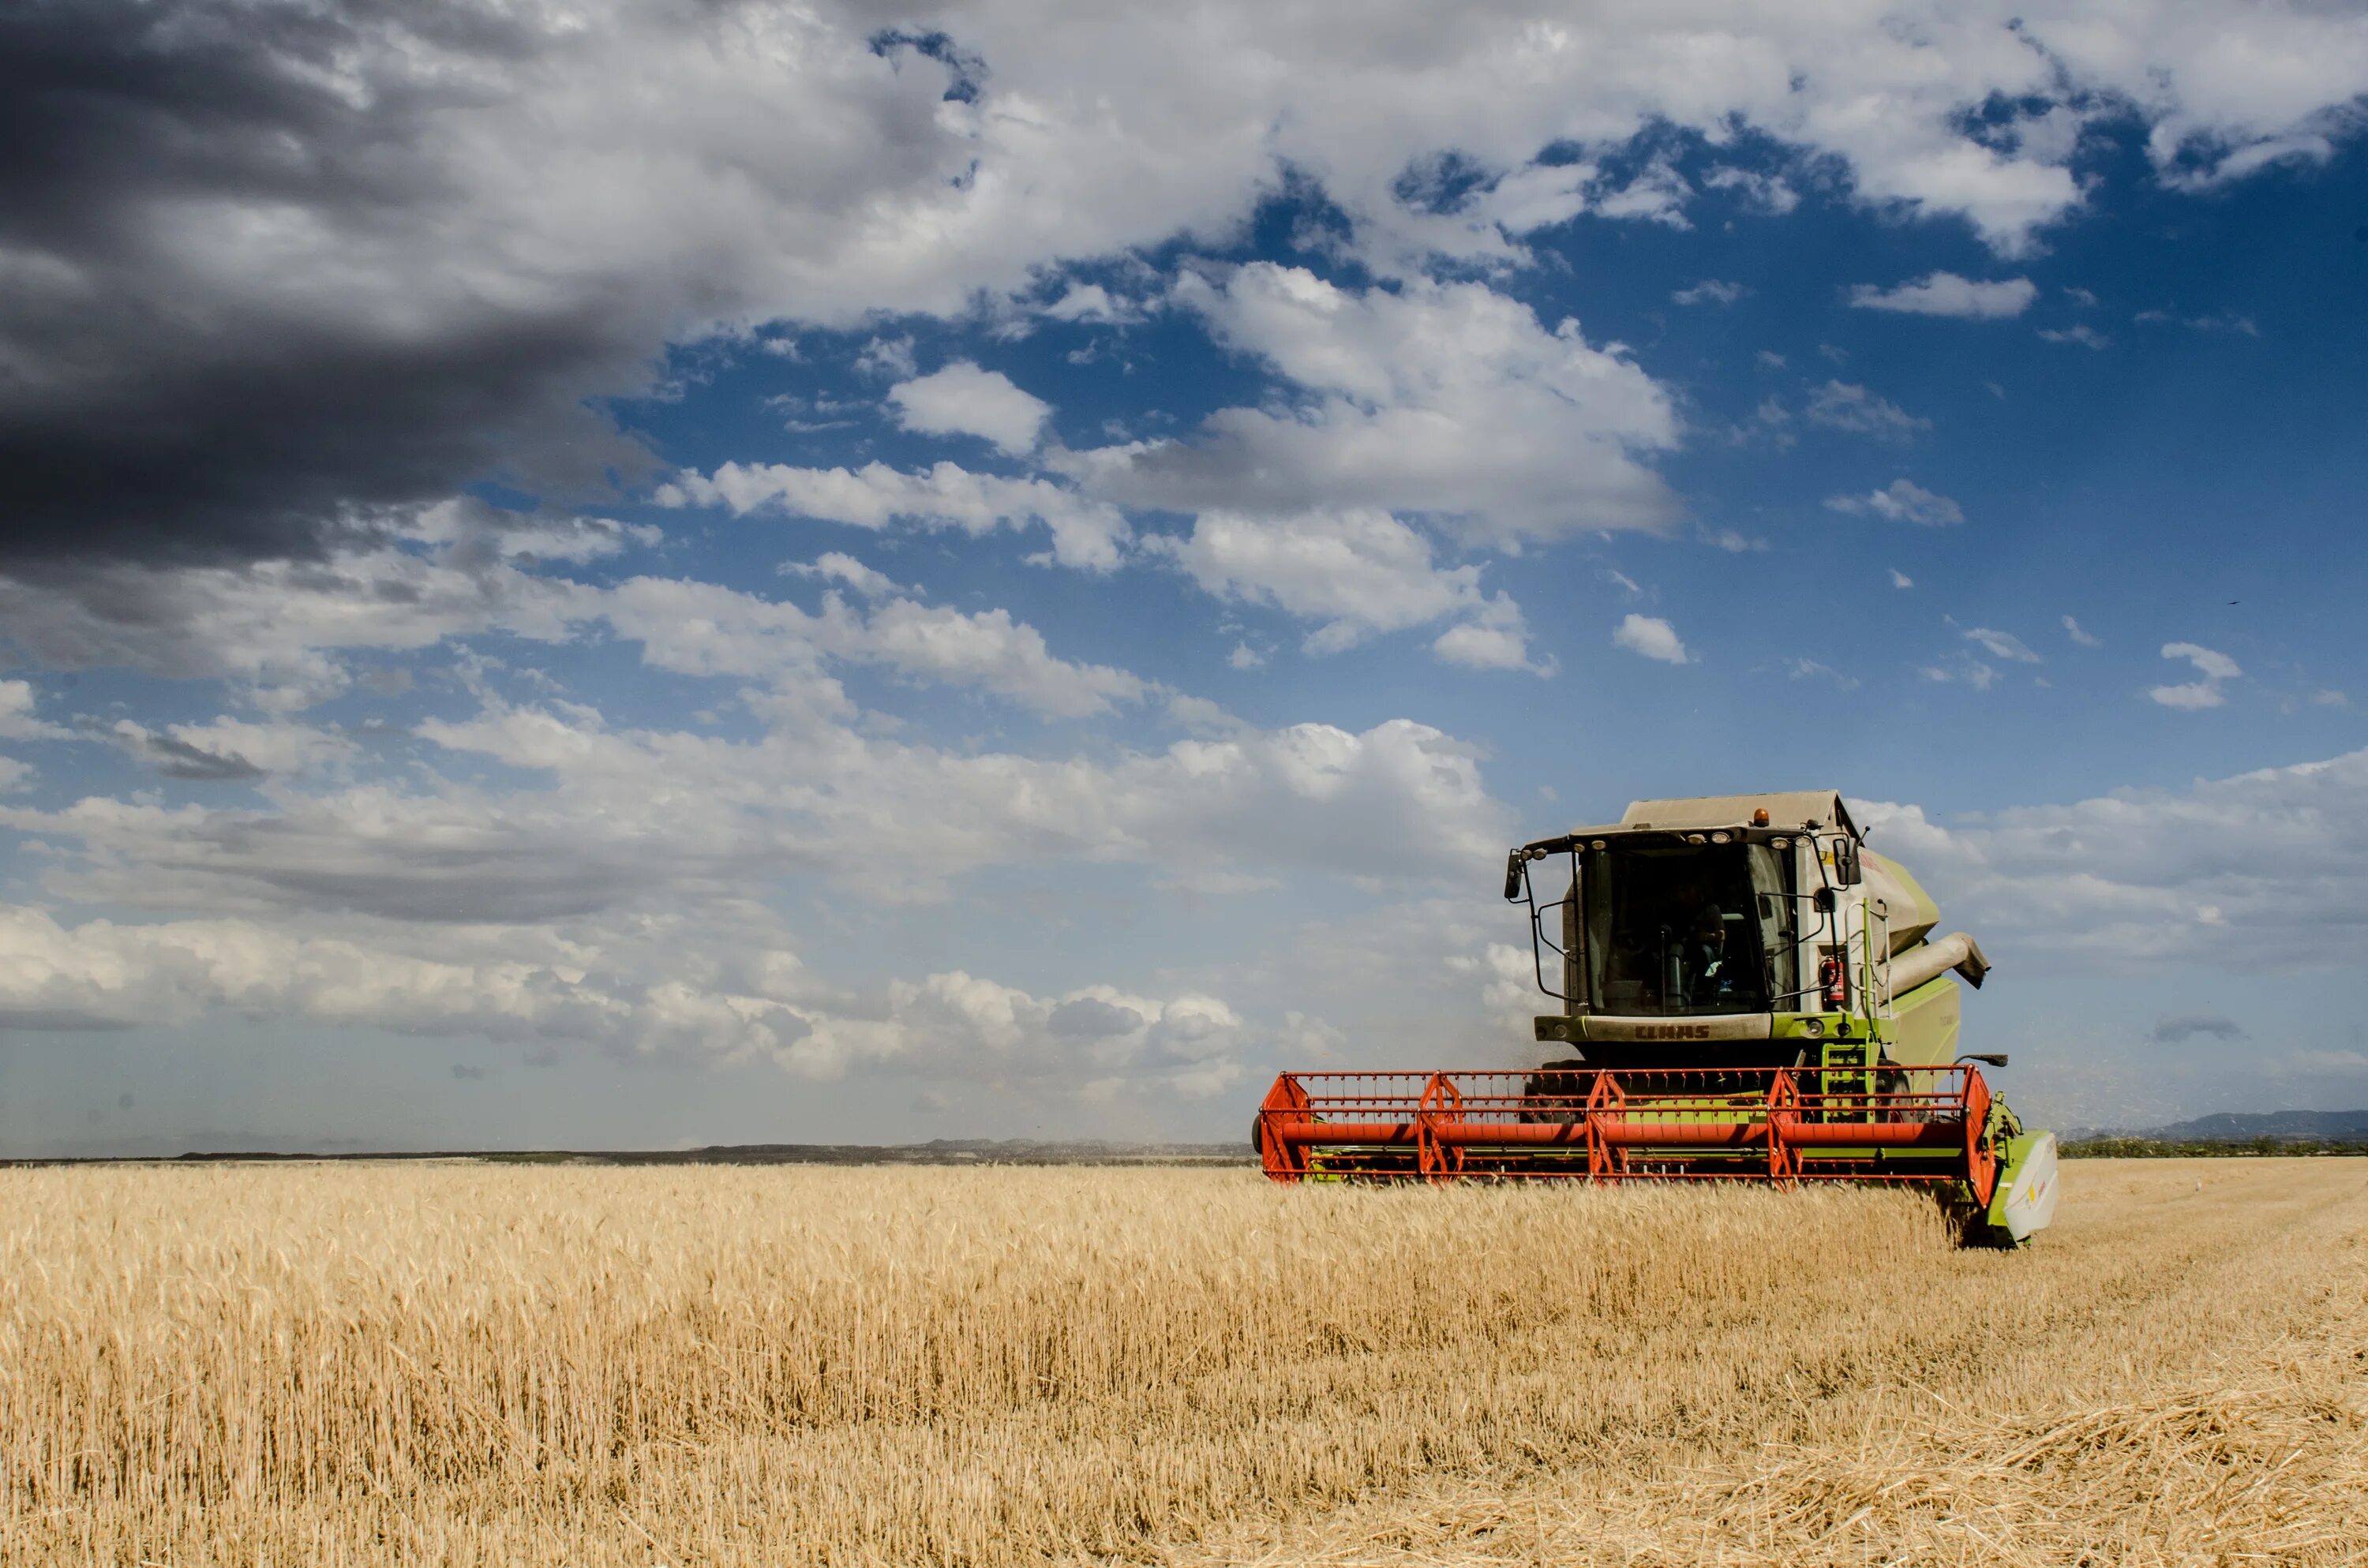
(466, 1364)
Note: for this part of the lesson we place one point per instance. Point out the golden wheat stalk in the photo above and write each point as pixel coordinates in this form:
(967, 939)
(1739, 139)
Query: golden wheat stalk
(463, 1364)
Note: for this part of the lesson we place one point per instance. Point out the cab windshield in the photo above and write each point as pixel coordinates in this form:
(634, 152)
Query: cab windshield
(1682, 929)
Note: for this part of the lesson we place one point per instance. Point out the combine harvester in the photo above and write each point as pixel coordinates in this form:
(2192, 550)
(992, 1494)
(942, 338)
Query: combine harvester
(1752, 995)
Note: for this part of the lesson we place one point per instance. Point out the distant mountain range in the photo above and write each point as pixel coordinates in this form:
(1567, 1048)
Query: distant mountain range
(2232, 1127)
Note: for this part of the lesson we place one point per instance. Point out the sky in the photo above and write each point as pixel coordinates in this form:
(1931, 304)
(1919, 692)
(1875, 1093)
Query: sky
(645, 576)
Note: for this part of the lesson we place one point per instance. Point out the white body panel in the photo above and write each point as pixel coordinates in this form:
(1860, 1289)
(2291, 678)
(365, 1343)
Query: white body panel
(2031, 1202)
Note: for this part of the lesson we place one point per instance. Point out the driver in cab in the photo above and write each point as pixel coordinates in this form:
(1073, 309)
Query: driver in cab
(1708, 975)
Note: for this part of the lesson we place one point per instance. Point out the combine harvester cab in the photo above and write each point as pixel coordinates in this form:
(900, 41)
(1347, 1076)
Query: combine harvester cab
(1747, 993)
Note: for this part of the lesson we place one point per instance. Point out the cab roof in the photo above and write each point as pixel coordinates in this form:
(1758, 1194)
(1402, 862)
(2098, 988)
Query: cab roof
(1793, 810)
(1786, 808)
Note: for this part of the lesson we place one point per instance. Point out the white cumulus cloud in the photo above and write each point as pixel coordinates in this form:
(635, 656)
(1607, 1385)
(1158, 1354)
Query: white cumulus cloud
(1496, 638)
(1652, 637)
(1356, 572)
(1450, 401)
(2264, 867)
(19, 721)
(503, 984)
(962, 399)
(839, 567)
(2216, 669)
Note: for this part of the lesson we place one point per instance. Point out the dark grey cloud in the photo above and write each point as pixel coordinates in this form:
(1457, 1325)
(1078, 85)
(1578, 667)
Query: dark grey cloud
(179, 759)
(1088, 1017)
(267, 270)
(2193, 1026)
(151, 407)
(500, 878)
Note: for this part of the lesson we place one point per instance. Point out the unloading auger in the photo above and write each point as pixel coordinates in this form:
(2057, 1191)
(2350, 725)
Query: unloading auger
(1747, 993)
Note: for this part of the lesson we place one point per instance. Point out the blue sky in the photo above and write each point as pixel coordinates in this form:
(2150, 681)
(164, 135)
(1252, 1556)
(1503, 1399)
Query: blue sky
(1015, 581)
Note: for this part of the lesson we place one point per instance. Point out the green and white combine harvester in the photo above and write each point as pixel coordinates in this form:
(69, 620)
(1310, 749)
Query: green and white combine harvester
(1746, 992)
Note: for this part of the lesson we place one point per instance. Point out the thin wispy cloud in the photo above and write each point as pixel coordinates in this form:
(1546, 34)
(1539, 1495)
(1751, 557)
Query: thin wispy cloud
(1711, 291)
(1901, 501)
(2079, 333)
(1848, 407)
(1947, 294)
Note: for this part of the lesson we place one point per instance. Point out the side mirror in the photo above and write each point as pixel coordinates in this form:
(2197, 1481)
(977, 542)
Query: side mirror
(1846, 867)
(1516, 866)
(1824, 900)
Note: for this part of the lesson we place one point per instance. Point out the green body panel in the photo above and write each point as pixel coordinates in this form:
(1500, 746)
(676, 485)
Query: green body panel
(1913, 911)
(1924, 1032)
